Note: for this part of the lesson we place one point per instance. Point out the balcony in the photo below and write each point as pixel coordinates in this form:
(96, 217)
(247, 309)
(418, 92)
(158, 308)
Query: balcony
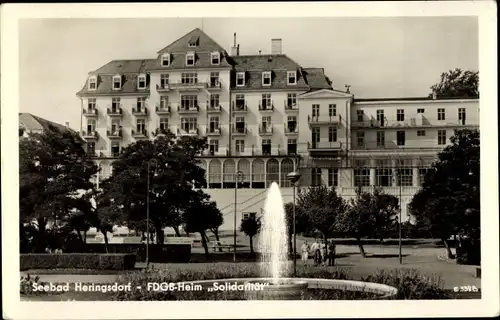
(90, 135)
(324, 146)
(163, 88)
(163, 110)
(90, 113)
(115, 111)
(140, 134)
(213, 132)
(266, 107)
(190, 132)
(213, 108)
(214, 85)
(211, 152)
(114, 134)
(188, 86)
(140, 111)
(160, 131)
(323, 119)
(419, 122)
(268, 150)
(266, 130)
(291, 130)
(289, 107)
(239, 130)
(240, 107)
(188, 109)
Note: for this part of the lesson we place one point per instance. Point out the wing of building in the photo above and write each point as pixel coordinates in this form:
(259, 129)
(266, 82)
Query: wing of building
(29, 123)
(266, 115)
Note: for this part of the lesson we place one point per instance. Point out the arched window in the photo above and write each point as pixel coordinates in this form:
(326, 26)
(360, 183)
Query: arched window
(229, 173)
(258, 178)
(286, 168)
(273, 174)
(214, 176)
(244, 167)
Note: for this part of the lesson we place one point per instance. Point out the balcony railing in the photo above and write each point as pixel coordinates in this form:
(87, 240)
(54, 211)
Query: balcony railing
(290, 106)
(213, 108)
(210, 152)
(266, 130)
(115, 111)
(239, 107)
(142, 111)
(89, 134)
(114, 134)
(190, 132)
(213, 131)
(188, 86)
(162, 109)
(412, 123)
(291, 130)
(266, 107)
(90, 112)
(188, 109)
(163, 88)
(322, 119)
(324, 145)
(239, 130)
(142, 133)
(214, 85)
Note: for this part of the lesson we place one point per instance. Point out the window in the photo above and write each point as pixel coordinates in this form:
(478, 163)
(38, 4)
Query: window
(461, 116)
(420, 133)
(441, 137)
(117, 82)
(360, 115)
(421, 174)
(291, 99)
(190, 59)
(292, 77)
(91, 125)
(383, 173)
(332, 110)
(361, 177)
(240, 146)
(292, 146)
(215, 58)
(266, 101)
(380, 117)
(189, 77)
(141, 81)
(141, 104)
(214, 124)
(214, 100)
(332, 134)
(441, 114)
(240, 79)
(93, 83)
(333, 177)
(360, 139)
(400, 115)
(141, 125)
(189, 124)
(292, 123)
(163, 123)
(266, 121)
(163, 102)
(315, 135)
(381, 139)
(115, 126)
(92, 104)
(405, 173)
(91, 148)
(315, 110)
(164, 80)
(420, 110)
(240, 101)
(316, 176)
(165, 60)
(214, 146)
(115, 104)
(266, 78)
(266, 146)
(214, 79)
(400, 136)
(189, 102)
(115, 148)
(240, 124)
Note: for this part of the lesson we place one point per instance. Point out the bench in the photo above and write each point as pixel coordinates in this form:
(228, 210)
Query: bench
(220, 244)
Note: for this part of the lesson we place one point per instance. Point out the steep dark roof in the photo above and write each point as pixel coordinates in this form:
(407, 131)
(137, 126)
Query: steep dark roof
(264, 62)
(105, 83)
(204, 43)
(411, 99)
(316, 78)
(124, 66)
(31, 122)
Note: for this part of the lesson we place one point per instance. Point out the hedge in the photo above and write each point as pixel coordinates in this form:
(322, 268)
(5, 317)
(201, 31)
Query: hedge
(77, 261)
(158, 253)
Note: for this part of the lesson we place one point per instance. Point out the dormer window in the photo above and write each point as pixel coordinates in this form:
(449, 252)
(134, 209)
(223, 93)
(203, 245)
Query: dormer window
(266, 78)
(240, 79)
(193, 42)
(190, 59)
(215, 58)
(292, 77)
(117, 82)
(93, 83)
(165, 60)
(141, 81)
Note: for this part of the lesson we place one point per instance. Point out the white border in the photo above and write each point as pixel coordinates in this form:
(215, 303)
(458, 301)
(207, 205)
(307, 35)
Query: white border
(487, 306)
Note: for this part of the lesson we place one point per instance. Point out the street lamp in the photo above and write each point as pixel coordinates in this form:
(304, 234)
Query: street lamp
(294, 177)
(239, 178)
(150, 161)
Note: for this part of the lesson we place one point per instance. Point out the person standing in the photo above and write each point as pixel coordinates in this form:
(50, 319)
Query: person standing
(323, 252)
(315, 252)
(305, 252)
(331, 253)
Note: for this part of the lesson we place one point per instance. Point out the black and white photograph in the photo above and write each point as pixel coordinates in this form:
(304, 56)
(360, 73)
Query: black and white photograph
(250, 153)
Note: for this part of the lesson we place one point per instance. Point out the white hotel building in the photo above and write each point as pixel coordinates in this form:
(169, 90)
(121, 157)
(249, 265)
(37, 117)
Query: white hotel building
(265, 116)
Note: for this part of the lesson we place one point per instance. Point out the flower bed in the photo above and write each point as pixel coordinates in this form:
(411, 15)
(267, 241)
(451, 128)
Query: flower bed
(77, 261)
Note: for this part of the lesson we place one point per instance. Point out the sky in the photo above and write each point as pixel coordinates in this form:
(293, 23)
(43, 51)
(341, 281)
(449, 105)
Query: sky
(378, 57)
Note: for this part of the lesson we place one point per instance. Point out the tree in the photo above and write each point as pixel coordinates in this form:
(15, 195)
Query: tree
(321, 206)
(457, 84)
(173, 169)
(386, 209)
(301, 223)
(53, 170)
(451, 187)
(251, 227)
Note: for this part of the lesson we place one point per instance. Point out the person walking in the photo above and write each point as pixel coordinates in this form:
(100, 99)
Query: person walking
(331, 253)
(323, 252)
(315, 252)
(305, 252)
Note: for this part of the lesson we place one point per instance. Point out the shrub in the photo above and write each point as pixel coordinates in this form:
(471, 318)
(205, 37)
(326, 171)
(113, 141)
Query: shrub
(469, 253)
(26, 284)
(78, 260)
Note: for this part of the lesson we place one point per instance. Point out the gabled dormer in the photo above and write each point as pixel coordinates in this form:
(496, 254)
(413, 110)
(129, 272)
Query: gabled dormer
(215, 58)
(93, 83)
(117, 82)
(291, 78)
(266, 78)
(165, 60)
(190, 56)
(194, 41)
(141, 81)
(240, 79)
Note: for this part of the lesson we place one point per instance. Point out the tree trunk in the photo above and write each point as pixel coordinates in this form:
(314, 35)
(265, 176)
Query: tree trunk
(215, 231)
(41, 242)
(105, 233)
(251, 245)
(361, 249)
(79, 233)
(449, 254)
(176, 230)
(290, 244)
(204, 241)
(84, 236)
(160, 235)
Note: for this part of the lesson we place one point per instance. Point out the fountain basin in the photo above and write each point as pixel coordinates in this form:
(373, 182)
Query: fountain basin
(283, 289)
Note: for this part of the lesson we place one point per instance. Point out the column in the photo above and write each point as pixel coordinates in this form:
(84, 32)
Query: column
(279, 172)
(207, 173)
(251, 173)
(416, 175)
(373, 176)
(394, 172)
(265, 174)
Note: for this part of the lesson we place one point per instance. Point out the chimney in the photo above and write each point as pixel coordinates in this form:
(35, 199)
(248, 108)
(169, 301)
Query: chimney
(260, 52)
(348, 86)
(67, 124)
(275, 46)
(434, 95)
(234, 48)
(234, 41)
(238, 50)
